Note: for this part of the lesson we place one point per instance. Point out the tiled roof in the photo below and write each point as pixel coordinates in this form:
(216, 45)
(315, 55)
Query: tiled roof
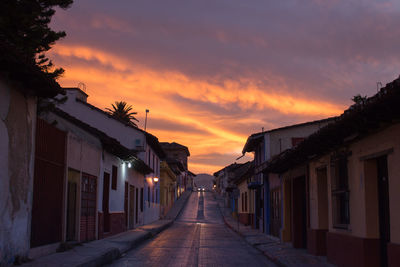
(110, 144)
(151, 140)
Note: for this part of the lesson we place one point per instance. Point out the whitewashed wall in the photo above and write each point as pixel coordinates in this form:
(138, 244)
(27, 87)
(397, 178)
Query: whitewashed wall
(17, 151)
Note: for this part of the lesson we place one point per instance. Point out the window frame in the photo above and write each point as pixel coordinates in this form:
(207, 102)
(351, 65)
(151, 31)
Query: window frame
(340, 192)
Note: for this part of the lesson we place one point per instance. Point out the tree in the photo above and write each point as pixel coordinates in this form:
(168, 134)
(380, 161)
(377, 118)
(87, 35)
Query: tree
(122, 111)
(24, 25)
(359, 100)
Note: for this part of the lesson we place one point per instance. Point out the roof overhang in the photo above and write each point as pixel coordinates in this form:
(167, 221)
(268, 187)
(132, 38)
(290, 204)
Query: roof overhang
(251, 142)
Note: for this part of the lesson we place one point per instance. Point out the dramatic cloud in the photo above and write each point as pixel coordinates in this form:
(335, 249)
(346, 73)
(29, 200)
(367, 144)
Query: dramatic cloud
(213, 72)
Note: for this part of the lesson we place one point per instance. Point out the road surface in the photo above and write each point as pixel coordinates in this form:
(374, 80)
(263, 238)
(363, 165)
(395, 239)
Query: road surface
(198, 237)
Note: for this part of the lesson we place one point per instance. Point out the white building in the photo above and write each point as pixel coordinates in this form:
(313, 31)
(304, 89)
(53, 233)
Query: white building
(145, 144)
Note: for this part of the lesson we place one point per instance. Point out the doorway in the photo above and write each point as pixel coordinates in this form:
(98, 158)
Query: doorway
(136, 205)
(88, 207)
(131, 206)
(48, 185)
(106, 197)
(72, 196)
(384, 212)
(275, 212)
(299, 210)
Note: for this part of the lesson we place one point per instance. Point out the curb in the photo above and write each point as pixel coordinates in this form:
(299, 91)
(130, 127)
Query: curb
(270, 257)
(183, 206)
(114, 253)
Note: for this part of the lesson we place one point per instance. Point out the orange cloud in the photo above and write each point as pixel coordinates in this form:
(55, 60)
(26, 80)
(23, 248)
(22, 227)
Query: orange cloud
(147, 88)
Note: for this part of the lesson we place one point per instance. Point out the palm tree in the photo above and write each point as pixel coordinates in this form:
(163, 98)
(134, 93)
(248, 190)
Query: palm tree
(122, 111)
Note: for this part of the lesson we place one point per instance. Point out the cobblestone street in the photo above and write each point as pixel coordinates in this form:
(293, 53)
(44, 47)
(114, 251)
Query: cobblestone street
(198, 237)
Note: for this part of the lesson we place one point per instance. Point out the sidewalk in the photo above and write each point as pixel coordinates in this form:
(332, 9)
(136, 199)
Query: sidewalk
(282, 254)
(103, 251)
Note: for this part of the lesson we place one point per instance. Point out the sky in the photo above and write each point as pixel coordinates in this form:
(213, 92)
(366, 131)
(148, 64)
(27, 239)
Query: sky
(214, 72)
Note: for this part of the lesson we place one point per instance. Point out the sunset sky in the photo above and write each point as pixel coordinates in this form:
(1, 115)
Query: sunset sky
(213, 72)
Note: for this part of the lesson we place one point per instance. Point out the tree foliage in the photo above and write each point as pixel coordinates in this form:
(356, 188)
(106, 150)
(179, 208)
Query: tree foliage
(24, 25)
(359, 100)
(122, 111)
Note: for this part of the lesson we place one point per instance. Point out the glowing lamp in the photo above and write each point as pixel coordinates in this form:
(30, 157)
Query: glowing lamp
(129, 165)
(155, 179)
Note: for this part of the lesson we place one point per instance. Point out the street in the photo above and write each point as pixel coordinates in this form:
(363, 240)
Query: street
(198, 237)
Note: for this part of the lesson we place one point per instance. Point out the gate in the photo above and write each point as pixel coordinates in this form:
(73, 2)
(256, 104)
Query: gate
(88, 208)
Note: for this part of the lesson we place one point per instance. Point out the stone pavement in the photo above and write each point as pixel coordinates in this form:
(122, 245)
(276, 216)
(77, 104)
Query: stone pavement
(283, 254)
(103, 251)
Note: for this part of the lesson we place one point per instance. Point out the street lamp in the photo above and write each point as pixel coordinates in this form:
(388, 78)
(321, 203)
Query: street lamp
(155, 179)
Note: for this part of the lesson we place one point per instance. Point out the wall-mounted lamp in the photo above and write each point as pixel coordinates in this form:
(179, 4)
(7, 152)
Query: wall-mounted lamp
(155, 179)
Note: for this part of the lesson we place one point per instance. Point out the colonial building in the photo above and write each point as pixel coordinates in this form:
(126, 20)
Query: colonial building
(84, 184)
(267, 187)
(147, 146)
(345, 179)
(178, 154)
(245, 200)
(167, 188)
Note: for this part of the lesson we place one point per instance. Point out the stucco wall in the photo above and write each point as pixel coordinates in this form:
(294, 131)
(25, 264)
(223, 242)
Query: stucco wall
(286, 135)
(362, 185)
(382, 141)
(315, 209)
(151, 209)
(17, 128)
(126, 135)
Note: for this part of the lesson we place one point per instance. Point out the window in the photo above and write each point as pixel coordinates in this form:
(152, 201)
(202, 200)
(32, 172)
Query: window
(242, 197)
(114, 177)
(245, 201)
(148, 195)
(141, 199)
(149, 156)
(340, 191)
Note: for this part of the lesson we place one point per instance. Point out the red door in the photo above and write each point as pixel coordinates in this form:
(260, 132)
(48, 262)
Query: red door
(88, 207)
(46, 227)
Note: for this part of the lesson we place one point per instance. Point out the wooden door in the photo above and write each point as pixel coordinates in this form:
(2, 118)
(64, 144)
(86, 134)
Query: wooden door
(384, 212)
(136, 205)
(131, 206)
(105, 204)
(48, 185)
(71, 210)
(126, 204)
(299, 216)
(88, 207)
(275, 216)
